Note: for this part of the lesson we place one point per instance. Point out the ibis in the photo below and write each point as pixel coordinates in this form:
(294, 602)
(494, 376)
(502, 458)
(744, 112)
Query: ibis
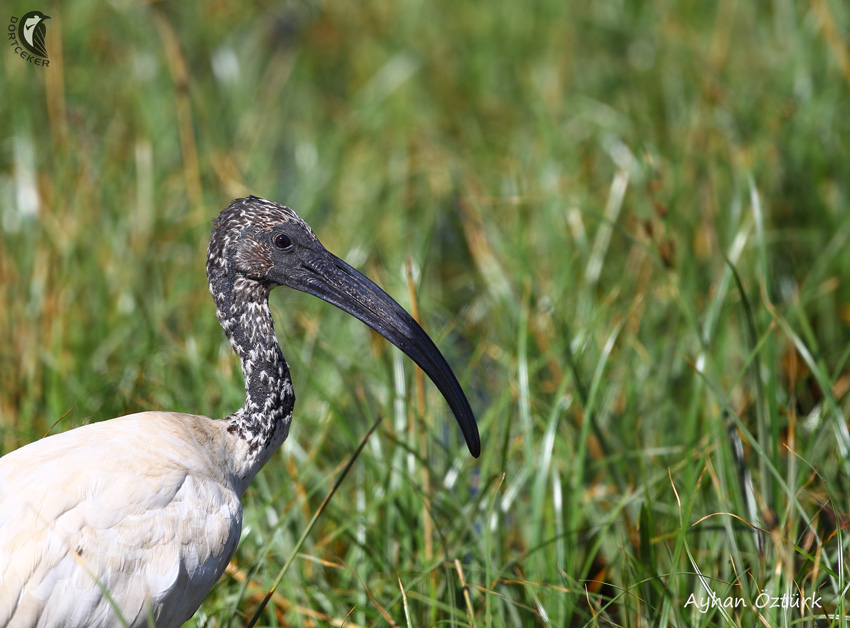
(135, 518)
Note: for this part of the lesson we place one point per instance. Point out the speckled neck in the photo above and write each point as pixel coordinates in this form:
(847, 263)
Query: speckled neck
(243, 310)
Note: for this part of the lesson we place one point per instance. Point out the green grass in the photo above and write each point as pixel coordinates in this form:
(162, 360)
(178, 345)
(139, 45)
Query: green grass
(628, 224)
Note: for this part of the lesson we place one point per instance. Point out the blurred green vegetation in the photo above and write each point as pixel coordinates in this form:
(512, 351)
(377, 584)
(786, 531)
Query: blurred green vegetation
(627, 224)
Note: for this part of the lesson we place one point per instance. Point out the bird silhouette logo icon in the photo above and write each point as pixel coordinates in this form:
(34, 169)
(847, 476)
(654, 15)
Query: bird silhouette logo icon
(31, 32)
(27, 35)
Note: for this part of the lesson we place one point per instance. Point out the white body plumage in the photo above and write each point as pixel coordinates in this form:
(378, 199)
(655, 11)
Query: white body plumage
(141, 507)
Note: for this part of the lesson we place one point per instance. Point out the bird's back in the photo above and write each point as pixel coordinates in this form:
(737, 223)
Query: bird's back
(141, 508)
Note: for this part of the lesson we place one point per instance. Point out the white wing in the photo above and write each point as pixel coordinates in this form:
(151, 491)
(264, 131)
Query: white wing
(139, 507)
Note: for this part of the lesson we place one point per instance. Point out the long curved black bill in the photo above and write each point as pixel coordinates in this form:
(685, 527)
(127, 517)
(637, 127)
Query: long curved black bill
(332, 280)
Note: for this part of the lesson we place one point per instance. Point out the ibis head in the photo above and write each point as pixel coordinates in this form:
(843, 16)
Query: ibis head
(269, 243)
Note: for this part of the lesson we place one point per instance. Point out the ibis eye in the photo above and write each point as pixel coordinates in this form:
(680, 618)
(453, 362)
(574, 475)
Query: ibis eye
(282, 241)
